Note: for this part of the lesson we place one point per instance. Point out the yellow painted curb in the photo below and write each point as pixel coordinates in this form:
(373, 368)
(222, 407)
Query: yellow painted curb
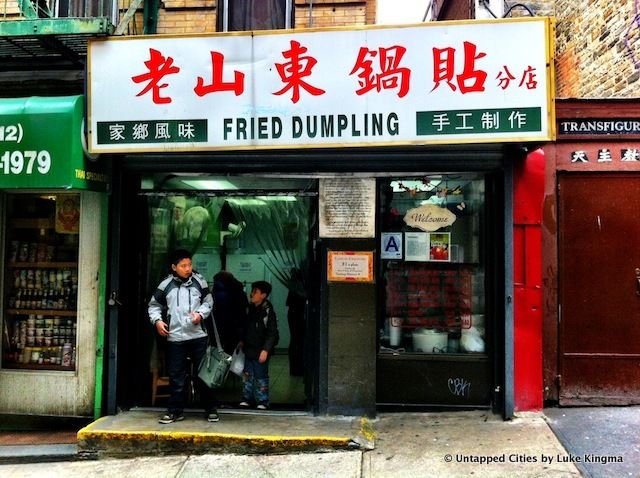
(366, 429)
(87, 429)
(203, 437)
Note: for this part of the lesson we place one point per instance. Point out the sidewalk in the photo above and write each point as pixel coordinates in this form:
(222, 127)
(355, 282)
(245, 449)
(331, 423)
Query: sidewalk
(448, 444)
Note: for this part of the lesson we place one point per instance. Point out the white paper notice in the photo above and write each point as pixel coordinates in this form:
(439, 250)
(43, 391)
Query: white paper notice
(347, 207)
(416, 246)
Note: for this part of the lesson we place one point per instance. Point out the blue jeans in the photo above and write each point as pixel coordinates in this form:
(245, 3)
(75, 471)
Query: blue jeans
(256, 382)
(177, 365)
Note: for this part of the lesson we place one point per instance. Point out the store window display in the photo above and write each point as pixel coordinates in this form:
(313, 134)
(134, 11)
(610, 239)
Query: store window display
(431, 243)
(41, 281)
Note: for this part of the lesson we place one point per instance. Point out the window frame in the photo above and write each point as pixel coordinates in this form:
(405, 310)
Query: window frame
(288, 19)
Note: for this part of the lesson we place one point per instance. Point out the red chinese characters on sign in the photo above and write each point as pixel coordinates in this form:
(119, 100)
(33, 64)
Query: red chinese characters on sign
(528, 79)
(293, 71)
(504, 78)
(158, 67)
(217, 83)
(388, 75)
(376, 70)
(470, 80)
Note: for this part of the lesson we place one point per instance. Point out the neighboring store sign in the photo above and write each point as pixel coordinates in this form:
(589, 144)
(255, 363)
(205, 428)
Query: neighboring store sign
(606, 155)
(599, 126)
(347, 207)
(473, 81)
(429, 217)
(349, 266)
(41, 145)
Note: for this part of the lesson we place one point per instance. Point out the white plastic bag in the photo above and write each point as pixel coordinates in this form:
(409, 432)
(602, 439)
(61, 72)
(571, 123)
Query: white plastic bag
(237, 362)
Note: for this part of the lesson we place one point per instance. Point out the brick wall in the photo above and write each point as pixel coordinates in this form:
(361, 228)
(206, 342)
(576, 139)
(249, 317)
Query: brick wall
(541, 8)
(199, 16)
(333, 13)
(597, 49)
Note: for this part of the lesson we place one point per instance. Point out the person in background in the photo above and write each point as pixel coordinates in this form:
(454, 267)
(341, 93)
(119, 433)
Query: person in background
(229, 309)
(296, 303)
(185, 296)
(259, 341)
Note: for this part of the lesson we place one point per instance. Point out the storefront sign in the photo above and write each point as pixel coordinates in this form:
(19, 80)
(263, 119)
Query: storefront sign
(606, 155)
(599, 126)
(429, 217)
(346, 266)
(347, 207)
(41, 145)
(419, 84)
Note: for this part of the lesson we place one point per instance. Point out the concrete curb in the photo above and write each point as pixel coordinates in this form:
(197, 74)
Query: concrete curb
(16, 454)
(95, 443)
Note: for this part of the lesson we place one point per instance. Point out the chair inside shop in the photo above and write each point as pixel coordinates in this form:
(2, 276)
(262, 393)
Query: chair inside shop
(160, 379)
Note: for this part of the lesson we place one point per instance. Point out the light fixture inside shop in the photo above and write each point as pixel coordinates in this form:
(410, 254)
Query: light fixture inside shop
(277, 198)
(210, 184)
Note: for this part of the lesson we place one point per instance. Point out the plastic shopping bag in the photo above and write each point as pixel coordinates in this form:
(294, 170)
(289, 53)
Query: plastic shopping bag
(237, 362)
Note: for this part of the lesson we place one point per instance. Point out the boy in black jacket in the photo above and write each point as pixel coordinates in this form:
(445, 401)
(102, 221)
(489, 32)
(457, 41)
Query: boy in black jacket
(260, 338)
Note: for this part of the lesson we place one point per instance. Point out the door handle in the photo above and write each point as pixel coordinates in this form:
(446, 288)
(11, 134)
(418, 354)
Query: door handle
(113, 299)
(637, 281)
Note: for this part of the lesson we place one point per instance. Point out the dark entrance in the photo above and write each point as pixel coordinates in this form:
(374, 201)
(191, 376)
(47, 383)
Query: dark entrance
(599, 329)
(255, 228)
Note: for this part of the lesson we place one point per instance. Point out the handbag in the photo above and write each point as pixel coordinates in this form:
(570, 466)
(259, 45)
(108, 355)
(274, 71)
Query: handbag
(214, 367)
(237, 362)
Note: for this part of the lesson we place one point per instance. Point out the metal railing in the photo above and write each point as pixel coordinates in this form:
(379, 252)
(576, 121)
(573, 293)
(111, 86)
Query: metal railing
(34, 9)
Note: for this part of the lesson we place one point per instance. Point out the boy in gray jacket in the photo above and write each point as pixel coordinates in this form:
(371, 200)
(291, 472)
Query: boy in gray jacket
(185, 296)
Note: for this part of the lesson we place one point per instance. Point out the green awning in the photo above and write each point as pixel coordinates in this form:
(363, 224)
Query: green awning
(41, 145)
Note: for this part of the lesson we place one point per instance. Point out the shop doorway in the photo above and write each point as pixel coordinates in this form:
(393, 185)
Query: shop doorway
(239, 230)
(599, 330)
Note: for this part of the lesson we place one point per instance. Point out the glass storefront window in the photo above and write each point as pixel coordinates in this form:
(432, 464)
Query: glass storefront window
(432, 230)
(40, 281)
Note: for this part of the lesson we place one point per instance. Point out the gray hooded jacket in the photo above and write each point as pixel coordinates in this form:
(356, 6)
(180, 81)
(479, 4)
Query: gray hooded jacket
(181, 297)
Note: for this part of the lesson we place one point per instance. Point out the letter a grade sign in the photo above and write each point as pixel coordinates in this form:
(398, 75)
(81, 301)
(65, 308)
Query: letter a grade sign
(391, 245)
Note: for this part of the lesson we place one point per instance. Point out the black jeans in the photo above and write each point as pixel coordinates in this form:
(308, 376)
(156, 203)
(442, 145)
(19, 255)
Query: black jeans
(177, 364)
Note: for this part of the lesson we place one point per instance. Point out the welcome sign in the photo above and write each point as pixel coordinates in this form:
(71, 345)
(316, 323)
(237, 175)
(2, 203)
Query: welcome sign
(476, 81)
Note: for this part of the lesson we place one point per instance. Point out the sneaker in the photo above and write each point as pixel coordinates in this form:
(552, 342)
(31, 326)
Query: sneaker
(171, 417)
(213, 416)
(262, 406)
(244, 404)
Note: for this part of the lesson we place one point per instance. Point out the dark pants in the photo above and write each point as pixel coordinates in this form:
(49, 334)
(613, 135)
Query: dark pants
(256, 381)
(177, 365)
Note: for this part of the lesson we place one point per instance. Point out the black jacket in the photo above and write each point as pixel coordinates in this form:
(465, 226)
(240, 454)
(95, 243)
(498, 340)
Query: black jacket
(229, 311)
(262, 330)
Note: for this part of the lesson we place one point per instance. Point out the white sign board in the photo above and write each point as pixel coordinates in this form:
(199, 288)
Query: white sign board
(473, 81)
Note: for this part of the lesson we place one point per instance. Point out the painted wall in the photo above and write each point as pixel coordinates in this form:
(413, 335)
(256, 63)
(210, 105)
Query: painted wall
(527, 255)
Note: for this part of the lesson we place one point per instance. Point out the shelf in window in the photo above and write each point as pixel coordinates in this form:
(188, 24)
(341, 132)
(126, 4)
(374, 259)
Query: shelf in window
(42, 265)
(35, 367)
(419, 357)
(35, 223)
(52, 312)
